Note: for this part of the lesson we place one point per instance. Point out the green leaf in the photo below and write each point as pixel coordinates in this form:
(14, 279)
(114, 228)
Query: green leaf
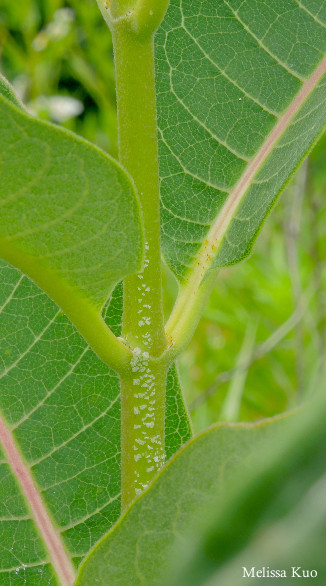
(59, 431)
(138, 549)
(7, 91)
(275, 518)
(241, 100)
(177, 424)
(70, 218)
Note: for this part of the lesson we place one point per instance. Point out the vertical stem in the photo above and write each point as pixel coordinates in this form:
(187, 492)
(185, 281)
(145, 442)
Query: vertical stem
(138, 149)
(143, 390)
(143, 425)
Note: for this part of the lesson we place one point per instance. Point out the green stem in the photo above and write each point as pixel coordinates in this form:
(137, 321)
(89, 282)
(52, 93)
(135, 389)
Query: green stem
(143, 389)
(137, 127)
(186, 313)
(143, 425)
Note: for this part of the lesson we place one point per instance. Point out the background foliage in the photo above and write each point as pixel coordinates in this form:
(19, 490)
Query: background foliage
(260, 345)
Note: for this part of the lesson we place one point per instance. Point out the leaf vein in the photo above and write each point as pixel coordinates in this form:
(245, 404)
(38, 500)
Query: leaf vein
(316, 19)
(74, 436)
(261, 44)
(92, 514)
(232, 81)
(12, 294)
(203, 125)
(189, 173)
(56, 386)
(35, 340)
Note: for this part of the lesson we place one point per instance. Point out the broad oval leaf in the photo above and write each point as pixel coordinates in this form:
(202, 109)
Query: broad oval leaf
(241, 99)
(70, 217)
(60, 435)
(139, 548)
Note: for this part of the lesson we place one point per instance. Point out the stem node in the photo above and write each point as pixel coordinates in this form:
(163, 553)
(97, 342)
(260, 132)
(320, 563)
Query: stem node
(141, 17)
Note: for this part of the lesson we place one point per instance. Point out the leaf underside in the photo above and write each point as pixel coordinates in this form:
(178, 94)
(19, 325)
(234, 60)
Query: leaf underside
(62, 408)
(241, 99)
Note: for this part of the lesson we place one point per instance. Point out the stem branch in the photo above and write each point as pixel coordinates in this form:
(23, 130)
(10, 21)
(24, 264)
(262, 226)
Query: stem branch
(187, 311)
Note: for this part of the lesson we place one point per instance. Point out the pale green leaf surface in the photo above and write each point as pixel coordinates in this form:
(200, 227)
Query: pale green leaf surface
(66, 208)
(138, 549)
(61, 405)
(276, 517)
(241, 99)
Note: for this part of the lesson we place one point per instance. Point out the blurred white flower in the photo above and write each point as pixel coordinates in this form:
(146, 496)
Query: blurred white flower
(21, 85)
(58, 108)
(56, 30)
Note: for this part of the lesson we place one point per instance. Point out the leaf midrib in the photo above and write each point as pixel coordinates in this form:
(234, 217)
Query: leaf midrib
(219, 228)
(60, 560)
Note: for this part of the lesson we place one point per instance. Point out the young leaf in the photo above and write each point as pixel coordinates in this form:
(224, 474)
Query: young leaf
(138, 549)
(60, 431)
(241, 99)
(70, 218)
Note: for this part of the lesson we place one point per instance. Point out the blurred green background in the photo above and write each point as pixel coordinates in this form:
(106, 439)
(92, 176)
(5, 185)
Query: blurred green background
(260, 346)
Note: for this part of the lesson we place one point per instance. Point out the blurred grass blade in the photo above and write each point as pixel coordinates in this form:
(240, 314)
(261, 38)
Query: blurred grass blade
(232, 402)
